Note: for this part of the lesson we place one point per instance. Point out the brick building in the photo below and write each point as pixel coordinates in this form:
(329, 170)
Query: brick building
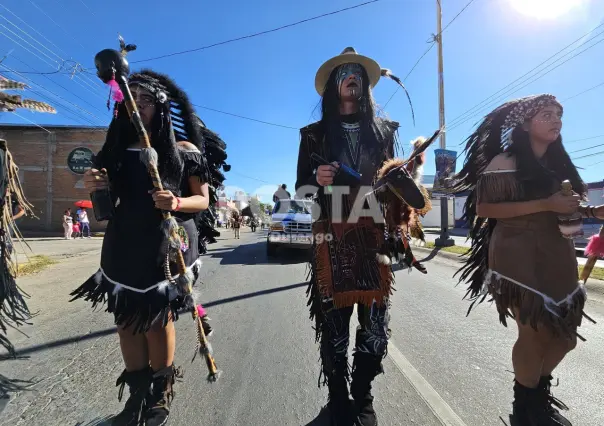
(51, 169)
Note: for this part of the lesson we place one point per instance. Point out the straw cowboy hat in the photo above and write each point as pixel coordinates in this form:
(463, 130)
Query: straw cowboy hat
(348, 56)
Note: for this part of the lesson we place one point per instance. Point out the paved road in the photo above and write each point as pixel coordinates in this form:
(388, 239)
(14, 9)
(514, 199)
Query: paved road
(440, 363)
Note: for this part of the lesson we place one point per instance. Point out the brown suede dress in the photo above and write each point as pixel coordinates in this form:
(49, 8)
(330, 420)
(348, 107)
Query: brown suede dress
(532, 267)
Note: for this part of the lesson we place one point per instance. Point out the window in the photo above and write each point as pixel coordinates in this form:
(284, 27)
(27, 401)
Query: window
(290, 206)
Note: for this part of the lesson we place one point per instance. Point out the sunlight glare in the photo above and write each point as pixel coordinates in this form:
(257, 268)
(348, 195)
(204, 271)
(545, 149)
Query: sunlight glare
(547, 9)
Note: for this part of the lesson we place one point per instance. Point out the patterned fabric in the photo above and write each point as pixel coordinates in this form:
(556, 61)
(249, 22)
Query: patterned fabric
(525, 109)
(347, 269)
(372, 335)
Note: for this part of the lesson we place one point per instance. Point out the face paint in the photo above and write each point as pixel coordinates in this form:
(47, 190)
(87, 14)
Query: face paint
(346, 74)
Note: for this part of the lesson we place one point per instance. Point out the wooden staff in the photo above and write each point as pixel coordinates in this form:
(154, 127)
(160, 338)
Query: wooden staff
(112, 65)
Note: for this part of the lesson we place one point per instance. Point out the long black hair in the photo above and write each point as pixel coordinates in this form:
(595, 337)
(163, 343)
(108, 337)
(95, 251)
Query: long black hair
(122, 134)
(537, 177)
(330, 112)
(537, 174)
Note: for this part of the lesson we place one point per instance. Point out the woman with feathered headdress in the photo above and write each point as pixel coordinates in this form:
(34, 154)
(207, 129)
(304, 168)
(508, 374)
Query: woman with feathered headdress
(136, 277)
(514, 168)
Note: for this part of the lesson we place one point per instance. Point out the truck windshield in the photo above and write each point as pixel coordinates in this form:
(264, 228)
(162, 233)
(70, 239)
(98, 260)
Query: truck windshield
(289, 206)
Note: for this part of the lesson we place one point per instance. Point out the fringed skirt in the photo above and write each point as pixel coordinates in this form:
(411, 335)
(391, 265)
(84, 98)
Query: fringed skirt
(533, 274)
(131, 280)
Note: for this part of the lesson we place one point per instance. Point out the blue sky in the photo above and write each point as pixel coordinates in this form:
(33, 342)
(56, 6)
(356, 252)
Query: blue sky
(271, 77)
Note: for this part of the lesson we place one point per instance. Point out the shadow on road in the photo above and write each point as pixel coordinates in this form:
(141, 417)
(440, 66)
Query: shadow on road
(322, 419)
(62, 342)
(254, 294)
(112, 330)
(102, 421)
(255, 254)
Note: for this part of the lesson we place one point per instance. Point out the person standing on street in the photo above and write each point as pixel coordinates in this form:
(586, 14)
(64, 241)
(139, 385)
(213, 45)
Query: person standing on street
(67, 224)
(134, 278)
(237, 225)
(514, 168)
(84, 222)
(347, 267)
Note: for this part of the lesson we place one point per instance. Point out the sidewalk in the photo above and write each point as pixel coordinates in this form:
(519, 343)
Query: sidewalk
(460, 236)
(592, 285)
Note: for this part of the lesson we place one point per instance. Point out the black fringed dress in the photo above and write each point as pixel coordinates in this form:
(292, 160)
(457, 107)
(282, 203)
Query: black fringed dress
(131, 279)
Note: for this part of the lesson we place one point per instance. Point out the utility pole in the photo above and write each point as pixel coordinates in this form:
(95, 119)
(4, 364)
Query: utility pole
(443, 240)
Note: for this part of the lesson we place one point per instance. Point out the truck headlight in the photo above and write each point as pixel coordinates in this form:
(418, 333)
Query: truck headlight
(277, 226)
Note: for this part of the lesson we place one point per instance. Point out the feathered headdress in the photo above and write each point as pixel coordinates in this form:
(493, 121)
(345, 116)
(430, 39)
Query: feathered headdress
(490, 139)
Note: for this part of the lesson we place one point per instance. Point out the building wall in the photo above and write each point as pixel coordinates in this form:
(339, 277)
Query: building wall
(48, 182)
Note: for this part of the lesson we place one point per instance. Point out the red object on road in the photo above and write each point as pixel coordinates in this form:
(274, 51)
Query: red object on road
(83, 204)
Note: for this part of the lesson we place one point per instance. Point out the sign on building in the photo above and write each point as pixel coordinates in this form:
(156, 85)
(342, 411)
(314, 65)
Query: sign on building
(79, 160)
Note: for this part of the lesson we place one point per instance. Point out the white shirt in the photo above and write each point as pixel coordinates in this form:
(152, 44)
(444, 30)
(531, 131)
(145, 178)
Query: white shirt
(84, 217)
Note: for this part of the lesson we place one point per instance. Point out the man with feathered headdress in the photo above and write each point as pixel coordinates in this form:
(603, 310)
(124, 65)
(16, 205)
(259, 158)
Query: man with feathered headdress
(365, 199)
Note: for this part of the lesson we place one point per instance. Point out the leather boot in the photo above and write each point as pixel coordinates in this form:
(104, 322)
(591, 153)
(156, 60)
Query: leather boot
(531, 407)
(138, 383)
(159, 399)
(553, 404)
(364, 370)
(339, 405)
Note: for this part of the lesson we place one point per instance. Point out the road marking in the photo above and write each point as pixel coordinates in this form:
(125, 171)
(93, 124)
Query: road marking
(437, 404)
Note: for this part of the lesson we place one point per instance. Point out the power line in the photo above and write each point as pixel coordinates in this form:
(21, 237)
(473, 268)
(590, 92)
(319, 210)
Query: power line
(585, 139)
(255, 34)
(53, 21)
(472, 112)
(57, 84)
(249, 177)
(583, 92)
(51, 92)
(409, 73)
(247, 118)
(44, 37)
(87, 86)
(27, 119)
(589, 155)
(529, 83)
(586, 149)
(432, 43)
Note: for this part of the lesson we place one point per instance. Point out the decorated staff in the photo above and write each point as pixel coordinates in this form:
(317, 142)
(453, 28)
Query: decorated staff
(404, 200)
(150, 259)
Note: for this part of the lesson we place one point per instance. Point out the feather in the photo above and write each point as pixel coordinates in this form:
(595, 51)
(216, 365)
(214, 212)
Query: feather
(6, 84)
(387, 73)
(421, 147)
(595, 247)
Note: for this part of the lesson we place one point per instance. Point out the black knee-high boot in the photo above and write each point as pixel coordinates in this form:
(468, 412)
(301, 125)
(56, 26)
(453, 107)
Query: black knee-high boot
(159, 399)
(553, 404)
(532, 407)
(364, 370)
(340, 406)
(138, 383)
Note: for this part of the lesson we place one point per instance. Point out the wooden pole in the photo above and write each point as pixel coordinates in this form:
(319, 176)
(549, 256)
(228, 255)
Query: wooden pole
(443, 240)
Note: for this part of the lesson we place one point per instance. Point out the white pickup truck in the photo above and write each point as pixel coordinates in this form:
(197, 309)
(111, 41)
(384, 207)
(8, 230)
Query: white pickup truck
(291, 222)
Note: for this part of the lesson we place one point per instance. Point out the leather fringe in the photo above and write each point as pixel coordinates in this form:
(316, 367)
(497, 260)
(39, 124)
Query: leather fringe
(140, 311)
(508, 297)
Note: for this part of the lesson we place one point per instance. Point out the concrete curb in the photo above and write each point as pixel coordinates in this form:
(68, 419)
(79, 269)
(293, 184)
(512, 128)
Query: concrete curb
(592, 285)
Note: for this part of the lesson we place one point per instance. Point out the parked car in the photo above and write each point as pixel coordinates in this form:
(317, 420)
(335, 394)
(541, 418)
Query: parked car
(290, 226)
